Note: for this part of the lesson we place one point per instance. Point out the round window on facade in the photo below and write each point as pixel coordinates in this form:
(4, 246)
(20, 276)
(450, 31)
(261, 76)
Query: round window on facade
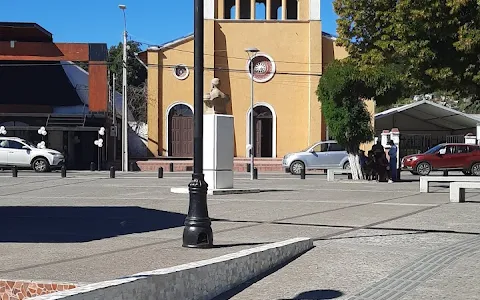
(263, 67)
(180, 72)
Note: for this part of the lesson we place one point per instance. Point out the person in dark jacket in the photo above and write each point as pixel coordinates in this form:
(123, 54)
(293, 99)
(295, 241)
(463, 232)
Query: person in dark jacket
(378, 149)
(362, 158)
(383, 168)
(369, 168)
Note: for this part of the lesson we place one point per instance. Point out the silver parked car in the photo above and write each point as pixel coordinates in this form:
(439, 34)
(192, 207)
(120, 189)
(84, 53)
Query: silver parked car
(321, 155)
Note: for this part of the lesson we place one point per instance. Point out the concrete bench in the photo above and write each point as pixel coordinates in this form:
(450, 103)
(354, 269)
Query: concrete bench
(457, 190)
(425, 181)
(331, 173)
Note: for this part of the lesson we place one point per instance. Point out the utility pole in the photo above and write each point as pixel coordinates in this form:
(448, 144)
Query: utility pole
(114, 114)
(253, 51)
(124, 92)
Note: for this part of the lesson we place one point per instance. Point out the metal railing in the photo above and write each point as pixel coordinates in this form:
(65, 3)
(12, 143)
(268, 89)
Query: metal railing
(68, 119)
(455, 138)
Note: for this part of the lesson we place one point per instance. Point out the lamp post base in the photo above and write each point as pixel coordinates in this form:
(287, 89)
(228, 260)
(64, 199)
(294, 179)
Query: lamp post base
(198, 231)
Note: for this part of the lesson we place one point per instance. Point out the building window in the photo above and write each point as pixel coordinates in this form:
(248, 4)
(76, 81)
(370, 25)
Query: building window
(245, 12)
(262, 67)
(229, 9)
(181, 72)
(260, 10)
(276, 10)
(292, 9)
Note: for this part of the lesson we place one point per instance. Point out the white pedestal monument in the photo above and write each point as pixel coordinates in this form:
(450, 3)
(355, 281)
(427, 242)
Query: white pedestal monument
(217, 145)
(218, 151)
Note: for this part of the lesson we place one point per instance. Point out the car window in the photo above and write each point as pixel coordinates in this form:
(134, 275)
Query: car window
(320, 147)
(435, 149)
(458, 149)
(15, 145)
(3, 144)
(462, 149)
(451, 149)
(335, 147)
(473, 148)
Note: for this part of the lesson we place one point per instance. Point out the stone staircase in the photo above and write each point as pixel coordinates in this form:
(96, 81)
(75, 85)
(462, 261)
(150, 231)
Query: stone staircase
(65, 120)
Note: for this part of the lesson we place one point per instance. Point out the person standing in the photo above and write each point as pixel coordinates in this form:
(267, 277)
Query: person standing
(392, 153)
(378, 149)
(363, 160)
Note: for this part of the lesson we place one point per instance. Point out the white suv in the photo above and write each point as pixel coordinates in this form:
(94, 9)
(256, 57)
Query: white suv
(20, 153)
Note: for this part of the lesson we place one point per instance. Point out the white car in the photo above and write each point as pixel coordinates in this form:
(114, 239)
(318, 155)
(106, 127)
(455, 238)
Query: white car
(321, 155)
(22, 154)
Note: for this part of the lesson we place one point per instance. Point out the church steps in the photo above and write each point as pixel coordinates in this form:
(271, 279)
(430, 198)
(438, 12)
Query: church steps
(239, 165)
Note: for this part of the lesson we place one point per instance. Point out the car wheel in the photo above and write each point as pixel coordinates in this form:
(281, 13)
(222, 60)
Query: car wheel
(423, 168)
(296, 167)
(475, 170)
(346, 166)
(414, 173)
(40, 165)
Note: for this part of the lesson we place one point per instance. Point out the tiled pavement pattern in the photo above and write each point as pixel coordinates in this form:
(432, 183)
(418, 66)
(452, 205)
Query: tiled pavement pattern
(18, 290)
(102, 229)
(408, 277)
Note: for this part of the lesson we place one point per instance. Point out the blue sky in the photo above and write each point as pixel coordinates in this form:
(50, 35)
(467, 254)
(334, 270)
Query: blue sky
(97, 21)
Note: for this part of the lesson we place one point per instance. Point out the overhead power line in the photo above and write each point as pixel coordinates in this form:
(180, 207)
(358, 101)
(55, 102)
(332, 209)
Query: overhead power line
(220, 69)
(220, 56)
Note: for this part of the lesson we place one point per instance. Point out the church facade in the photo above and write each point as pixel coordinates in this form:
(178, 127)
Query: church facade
(293, 53)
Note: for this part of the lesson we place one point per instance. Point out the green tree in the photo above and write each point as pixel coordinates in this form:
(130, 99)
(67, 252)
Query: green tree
(435, 41)
(136, 72)
(342, 91)
(136, 78)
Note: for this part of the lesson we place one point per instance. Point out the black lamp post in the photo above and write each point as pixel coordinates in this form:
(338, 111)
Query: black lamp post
(198, 231)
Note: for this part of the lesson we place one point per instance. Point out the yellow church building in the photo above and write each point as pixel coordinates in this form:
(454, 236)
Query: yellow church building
(293, 54)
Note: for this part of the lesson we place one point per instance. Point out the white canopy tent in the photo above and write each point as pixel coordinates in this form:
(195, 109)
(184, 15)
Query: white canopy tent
(424, 124)
(426, 117)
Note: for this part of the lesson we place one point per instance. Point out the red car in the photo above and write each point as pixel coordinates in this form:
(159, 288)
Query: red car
(461, 157)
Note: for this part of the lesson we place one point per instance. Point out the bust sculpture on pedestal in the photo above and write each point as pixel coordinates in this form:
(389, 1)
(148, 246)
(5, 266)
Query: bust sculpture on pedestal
(217, 140)
(216, 101)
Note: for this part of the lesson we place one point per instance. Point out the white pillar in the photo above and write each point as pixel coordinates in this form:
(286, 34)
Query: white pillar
(470, 139)
(252, 9)
(237, 9)
(314, 10)
(268, 9)
(478, 134)
(218, 151)
(385, 135)
(395, 136)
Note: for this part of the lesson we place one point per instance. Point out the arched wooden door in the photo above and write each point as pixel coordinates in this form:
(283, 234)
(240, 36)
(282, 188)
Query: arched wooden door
(263, 129)
(180, 131)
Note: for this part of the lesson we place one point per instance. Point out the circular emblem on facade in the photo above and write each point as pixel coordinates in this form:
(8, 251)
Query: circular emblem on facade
(181, 72)
(263, 67)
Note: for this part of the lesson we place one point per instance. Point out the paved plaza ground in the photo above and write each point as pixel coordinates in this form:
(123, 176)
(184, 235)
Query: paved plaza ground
(372, 240)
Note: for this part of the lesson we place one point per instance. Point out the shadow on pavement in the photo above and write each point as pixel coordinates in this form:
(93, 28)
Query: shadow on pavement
(60, 224)
(276, 190)
(407, 231)
(236, 245)
(230, 293)
(409, 180)
(317, 295)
